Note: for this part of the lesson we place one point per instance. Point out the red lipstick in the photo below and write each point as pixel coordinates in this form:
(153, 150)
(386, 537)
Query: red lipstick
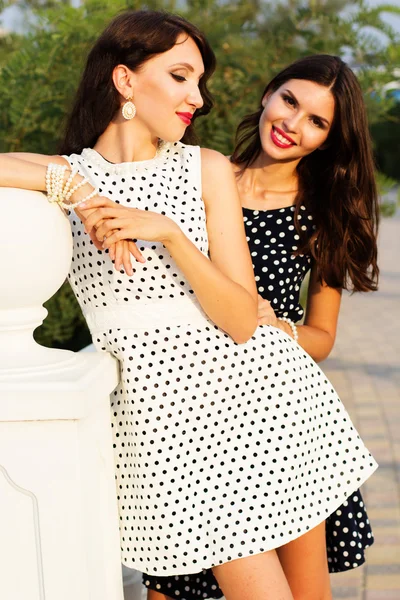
(186, 117)
(279, 142)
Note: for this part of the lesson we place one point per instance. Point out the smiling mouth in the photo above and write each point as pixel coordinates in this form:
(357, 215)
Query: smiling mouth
(185, 117)
(280, 139)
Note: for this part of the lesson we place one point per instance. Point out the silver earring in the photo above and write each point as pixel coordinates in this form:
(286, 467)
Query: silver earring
(128, 109)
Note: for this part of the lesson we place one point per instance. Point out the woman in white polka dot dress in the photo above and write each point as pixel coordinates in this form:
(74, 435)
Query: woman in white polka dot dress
(271, 207)
(229, 441)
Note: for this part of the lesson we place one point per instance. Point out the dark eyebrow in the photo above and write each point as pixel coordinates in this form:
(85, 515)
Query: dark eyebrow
(314, 116)
(186, 65)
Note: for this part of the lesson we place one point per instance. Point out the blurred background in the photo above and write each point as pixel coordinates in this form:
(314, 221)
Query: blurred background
(43, 45)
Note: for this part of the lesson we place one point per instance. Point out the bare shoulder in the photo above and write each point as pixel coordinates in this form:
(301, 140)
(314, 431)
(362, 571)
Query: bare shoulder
(39, 159)
(212, 162)
(216, 174)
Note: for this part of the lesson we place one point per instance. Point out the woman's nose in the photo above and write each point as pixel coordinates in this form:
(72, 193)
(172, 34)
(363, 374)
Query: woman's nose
(195, 98)
(292, 123)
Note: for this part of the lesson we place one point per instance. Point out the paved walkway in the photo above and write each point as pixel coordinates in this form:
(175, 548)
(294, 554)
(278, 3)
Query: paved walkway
(365, 369)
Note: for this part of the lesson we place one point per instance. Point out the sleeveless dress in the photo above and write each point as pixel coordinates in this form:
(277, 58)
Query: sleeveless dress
(272, 239)
(221, 450)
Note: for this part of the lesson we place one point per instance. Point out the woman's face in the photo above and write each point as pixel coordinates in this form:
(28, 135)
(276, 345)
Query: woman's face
(166, 90)
(296, 120)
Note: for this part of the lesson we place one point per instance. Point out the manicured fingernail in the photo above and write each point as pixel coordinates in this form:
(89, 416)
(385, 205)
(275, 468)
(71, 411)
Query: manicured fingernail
(83, 205)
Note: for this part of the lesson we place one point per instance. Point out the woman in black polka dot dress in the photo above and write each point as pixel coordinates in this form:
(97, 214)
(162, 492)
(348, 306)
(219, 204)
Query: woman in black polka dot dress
(279, 269)
(229, 441)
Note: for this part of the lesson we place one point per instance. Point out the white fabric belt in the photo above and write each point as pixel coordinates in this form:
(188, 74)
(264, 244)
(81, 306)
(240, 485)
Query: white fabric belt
(144, 316)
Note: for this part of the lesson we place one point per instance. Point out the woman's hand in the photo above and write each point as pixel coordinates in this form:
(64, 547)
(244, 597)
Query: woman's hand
(119, 252)
(266, 314)
(114, 223)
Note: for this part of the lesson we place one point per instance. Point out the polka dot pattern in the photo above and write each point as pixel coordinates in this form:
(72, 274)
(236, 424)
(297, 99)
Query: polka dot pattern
(278, 270)
(348, 531)
(221, 450)
(348, 535)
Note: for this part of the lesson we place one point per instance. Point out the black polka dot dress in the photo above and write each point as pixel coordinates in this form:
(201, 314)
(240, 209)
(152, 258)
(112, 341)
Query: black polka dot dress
(279, 273)
(221, 450)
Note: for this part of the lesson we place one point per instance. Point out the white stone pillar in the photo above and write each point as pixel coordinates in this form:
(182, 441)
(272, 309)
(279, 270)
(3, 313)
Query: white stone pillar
(58, 512)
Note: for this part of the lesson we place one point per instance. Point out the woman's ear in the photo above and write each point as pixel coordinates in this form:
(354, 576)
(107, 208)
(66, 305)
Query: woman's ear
(123, 80)
(265, 100)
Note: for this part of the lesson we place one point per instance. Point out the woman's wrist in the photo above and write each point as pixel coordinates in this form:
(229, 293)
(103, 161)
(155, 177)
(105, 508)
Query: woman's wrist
(66, 187)
(81, 192)
(289, 327)
(173, 235)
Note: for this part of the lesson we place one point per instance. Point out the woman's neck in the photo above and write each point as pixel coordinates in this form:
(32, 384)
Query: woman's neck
(273, 176)
(267, 185)
(126, 141)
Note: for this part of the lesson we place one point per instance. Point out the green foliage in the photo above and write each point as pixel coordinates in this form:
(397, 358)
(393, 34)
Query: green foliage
(65, 326)
(389, 192)
(386, 135)
(253, 40)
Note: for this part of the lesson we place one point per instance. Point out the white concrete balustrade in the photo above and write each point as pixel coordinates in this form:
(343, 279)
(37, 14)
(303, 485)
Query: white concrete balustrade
(58, 511)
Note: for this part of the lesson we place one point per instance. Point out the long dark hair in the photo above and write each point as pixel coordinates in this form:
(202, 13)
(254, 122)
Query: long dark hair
(337, 184)
(131, 39)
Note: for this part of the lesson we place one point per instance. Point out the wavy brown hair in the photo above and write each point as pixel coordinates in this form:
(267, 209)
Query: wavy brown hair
(131, 39)
(336, 183)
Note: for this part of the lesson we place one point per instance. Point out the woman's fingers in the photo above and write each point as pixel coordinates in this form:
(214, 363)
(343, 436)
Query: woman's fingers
(97, 202)
(99, 215)
(266, 314)
(108, 226)
(123, 257)
(267, 320)
(134, 250)
(119, 251)
(95, 241)
(126, 259)
(117, 236)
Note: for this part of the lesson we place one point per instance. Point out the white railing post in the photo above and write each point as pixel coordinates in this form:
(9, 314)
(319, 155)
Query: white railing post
(58, 513)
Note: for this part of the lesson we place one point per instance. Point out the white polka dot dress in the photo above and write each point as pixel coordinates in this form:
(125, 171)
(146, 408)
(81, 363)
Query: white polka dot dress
(348, 530)
(221, 450)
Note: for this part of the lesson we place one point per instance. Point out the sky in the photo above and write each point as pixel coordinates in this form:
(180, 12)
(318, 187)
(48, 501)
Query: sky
(10, 18)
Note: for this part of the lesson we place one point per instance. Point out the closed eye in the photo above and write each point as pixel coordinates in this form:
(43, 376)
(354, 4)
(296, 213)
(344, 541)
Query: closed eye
(178, 77)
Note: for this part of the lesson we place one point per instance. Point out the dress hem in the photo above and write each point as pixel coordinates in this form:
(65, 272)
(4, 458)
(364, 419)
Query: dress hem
(193, 570)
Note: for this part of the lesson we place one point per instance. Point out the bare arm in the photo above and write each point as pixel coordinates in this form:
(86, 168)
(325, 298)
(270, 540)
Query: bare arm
(225, 287)
(26, 170)
(318, 333)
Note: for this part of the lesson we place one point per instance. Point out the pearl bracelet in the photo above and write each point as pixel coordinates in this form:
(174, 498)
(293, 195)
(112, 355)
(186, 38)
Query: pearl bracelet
(67, 186)
(58, 192)
(292, 327)
(88, 197)
(76, 187)
(55, 182)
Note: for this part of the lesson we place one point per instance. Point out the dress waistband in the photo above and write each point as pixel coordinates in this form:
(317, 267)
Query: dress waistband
(177, 311)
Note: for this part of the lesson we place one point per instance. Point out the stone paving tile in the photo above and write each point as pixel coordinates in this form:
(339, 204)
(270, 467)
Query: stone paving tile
(383, 594)
(379, 554)
(348, 585)
(383, 582)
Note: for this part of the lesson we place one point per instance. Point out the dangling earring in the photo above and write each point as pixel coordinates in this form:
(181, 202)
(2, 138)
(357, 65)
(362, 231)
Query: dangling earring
(128, 109)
